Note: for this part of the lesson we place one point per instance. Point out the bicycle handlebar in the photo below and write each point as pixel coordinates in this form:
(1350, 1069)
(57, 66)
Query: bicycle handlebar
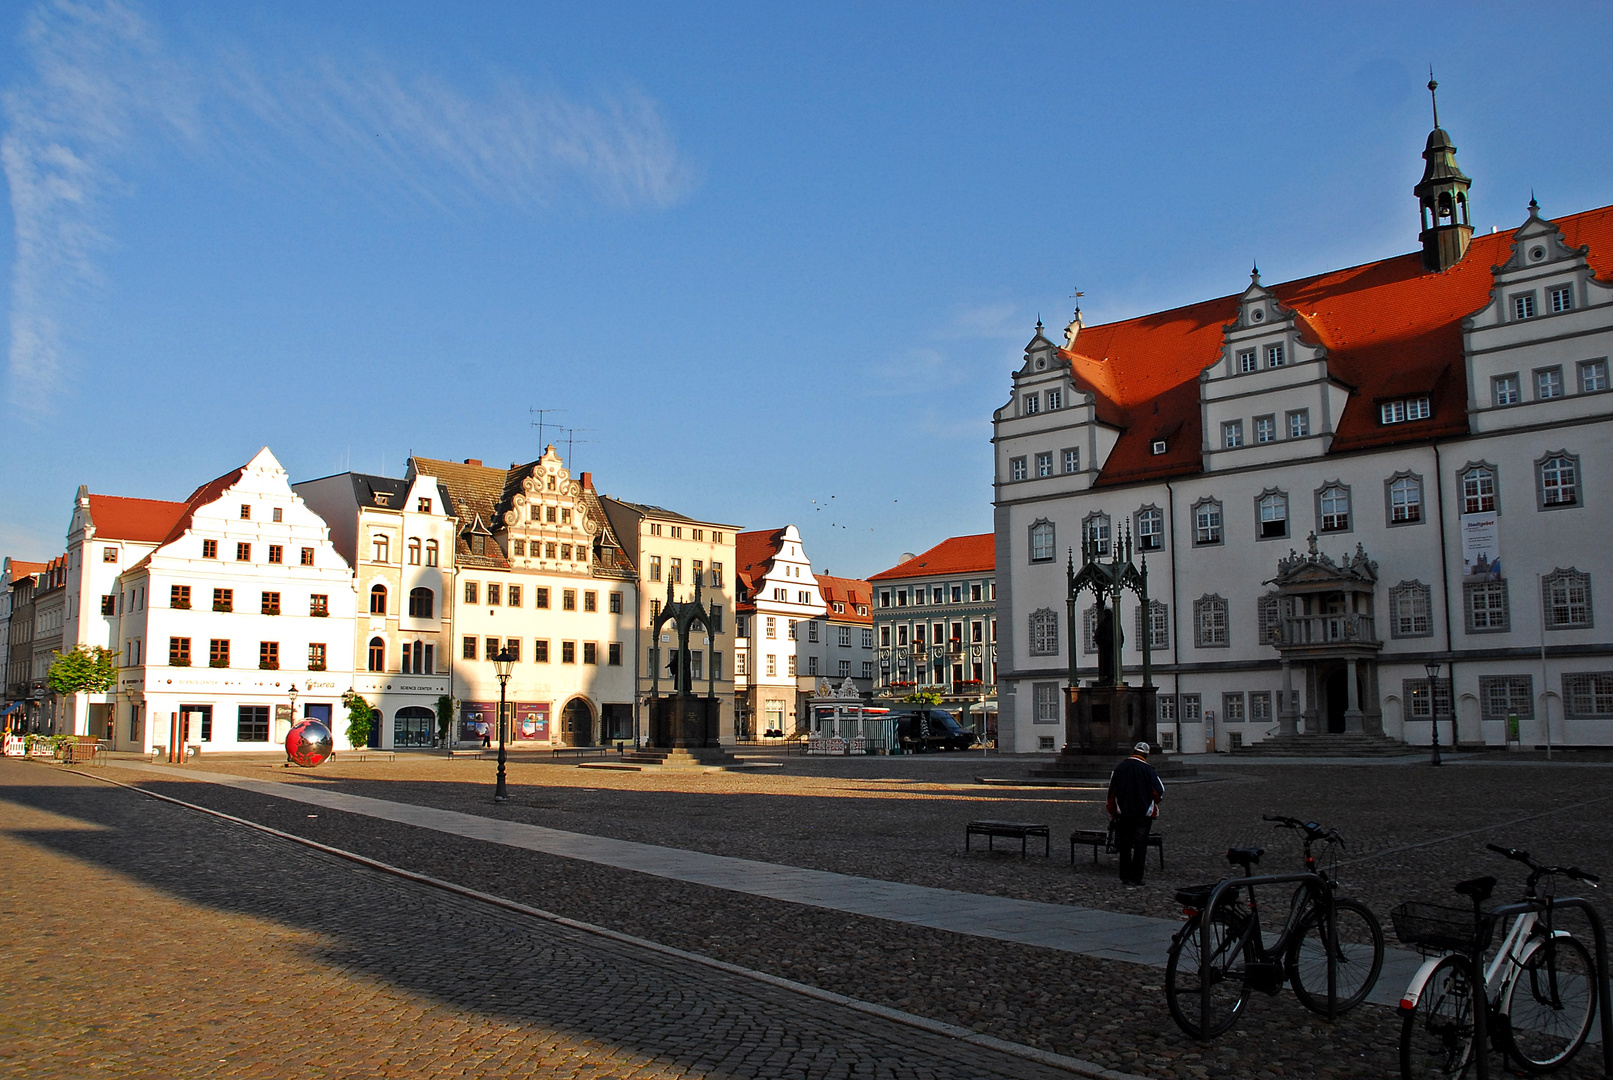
(1311, 829)
(1537, 871)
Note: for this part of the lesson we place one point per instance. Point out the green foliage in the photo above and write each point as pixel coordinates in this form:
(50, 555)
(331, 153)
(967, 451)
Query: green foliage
(360, 720)
(88, 669)
(924, 697)
(445, 717)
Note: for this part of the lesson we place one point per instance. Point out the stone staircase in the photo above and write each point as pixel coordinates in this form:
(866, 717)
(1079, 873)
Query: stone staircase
(700, 759)
(1330, 746)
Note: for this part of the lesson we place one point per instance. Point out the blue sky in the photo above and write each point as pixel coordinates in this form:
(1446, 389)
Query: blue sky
(774, 263)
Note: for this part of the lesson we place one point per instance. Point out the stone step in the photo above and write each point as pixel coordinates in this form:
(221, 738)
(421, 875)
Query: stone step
(1333, 745)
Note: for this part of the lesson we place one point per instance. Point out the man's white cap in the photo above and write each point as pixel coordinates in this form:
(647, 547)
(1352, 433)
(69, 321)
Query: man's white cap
(1140, 748)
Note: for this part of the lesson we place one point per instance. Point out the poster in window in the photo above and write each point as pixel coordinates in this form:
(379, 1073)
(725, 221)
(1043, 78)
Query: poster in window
(1481, 547)
(532, 721)
(476, 718)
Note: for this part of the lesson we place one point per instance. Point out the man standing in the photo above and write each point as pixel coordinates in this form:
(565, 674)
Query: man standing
(1134, 795)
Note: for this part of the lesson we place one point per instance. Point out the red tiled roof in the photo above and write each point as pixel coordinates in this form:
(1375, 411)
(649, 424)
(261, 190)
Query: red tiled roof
(1389, 327)
(208, 492)
(142, 520)
(20, 569)
(851, 592)
(956, 555)
(753, 551)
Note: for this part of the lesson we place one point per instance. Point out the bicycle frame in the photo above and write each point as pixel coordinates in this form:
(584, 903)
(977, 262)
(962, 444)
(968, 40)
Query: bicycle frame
(1525, 916)
(1324, 904)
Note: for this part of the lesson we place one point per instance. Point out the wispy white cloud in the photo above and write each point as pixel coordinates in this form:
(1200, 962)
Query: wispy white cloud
(104, 87)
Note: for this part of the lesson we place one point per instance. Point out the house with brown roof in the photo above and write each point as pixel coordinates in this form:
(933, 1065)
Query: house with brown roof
(778, 599)
(540, 576)
(1333, 482)
(935, 625)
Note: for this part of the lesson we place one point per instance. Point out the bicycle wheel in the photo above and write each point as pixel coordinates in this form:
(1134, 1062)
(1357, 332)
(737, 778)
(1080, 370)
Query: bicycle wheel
(1436, 1037)
(1549, 1004)
(1225, 971)
(1356, 964)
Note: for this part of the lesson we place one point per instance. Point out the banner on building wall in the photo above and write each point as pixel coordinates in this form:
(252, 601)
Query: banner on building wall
(477, 718)
(1481, 547)
(532, 721)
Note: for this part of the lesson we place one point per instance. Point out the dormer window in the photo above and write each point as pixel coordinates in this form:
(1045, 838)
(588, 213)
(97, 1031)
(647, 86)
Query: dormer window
(1247, 362)
(1158, 447)
(1275, 356)
(1562, 299)
(1055, 400)
(1523, 307)
(1398, 412)
(1030, 404)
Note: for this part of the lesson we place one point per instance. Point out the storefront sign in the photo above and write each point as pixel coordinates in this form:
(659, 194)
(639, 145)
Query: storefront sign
(476, 719)
(532, 721)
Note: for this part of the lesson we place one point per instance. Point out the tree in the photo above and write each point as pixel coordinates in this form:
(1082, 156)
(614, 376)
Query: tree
(445, 718)
(88, 669)
(360, 720)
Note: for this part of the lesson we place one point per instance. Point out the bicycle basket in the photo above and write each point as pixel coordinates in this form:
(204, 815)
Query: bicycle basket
(1194, 896)
(1436, 926)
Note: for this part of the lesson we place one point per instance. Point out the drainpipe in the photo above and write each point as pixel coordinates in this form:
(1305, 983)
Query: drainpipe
(1176, 637)
(1445, 585)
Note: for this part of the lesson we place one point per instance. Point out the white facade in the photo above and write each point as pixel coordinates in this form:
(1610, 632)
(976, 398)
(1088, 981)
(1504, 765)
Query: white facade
(1520, 472)
(398, 535)
(779, 596)
(246, 599)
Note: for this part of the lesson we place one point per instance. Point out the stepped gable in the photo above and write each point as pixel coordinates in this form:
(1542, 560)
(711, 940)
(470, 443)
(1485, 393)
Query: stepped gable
(1390, 328)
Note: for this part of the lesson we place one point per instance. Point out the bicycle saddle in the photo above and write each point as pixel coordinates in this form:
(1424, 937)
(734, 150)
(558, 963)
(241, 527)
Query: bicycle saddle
(1479, 889)
(1244, 856)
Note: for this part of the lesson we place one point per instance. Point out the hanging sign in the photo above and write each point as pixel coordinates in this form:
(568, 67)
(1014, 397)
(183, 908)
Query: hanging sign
(1481, 547)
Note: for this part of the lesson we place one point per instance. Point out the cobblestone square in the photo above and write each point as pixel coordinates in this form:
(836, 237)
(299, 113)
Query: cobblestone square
(388, 973)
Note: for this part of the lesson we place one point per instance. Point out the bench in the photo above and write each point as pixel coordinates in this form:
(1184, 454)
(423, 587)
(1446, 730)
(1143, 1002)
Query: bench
(1099, 838)
(365, 755)
(584, 751)
(1021, 830)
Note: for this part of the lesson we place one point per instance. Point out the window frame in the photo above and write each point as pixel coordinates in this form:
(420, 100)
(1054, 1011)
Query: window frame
(1087, 524)
(1265, 429)
(1565, 293)
(1045, 698)
(1070, 458)
(1522, 306)
(1599, 364)
(1561, 458)
(1404, 476)
(1206, 604)
(1471, 589)
(1221, 526)
(1039, 528)
(1507, 385)
(1349, 507)
(1260, 519)
(1030, 403)
(1411, 589)
(1571, 693)
(1303, 417)
(1151, 512)
(1044, 632)
(1523, 704)
(1232, 434)
(1548, 605)
(1551, 374)
(1044, 464)
(1469, 469)
(1018, 469)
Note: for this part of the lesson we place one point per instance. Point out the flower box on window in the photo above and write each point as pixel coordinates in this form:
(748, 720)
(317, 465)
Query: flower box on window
(179, 663)
(316, 665)
(218, 663)
(223, 605)
(180, 605)
(269, 665)
(320, 613)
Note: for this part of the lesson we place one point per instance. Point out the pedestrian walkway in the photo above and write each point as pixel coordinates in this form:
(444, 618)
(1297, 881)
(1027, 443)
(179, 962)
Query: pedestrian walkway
(1108, 935)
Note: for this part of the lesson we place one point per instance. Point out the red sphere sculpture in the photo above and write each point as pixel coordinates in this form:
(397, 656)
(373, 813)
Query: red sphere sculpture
(309, 743)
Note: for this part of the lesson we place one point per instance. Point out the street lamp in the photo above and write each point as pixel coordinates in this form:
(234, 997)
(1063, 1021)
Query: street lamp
(1432, 667)
(502, 663)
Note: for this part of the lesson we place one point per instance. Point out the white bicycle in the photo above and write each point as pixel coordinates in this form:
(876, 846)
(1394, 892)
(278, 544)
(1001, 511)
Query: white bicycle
(1539, 990)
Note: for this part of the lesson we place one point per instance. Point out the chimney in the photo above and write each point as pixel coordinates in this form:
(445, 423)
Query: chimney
(473, 461)
(588, 481)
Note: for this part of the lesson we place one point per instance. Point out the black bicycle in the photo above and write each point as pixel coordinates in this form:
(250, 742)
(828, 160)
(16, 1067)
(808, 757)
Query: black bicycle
(1238, 958)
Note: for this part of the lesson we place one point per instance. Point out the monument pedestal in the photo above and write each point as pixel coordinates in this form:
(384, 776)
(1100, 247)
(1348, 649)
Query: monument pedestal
(1101, 725)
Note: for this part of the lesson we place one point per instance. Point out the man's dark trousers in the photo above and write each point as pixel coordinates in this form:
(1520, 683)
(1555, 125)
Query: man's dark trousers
(1131, 837)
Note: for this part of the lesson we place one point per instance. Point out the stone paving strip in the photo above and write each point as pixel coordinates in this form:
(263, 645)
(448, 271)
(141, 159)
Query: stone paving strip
(249, 961)
(1107, 935)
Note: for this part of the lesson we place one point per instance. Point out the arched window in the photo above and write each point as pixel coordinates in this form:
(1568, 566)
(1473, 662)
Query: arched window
(1409, 608)
(1095, 531)
(414, 551)
(1478, 489)
(1044, 633)
(1559, 480)
(1042, 547)
(1150, 529)
(1159, 626)
(380, 548)
(431, 553)
(377, 654)
(1567, 595)
(1206, 522)
(1333, 508)
(1273, 507)
(1210, 622)
(422, 602)
(378, 601)
(1405, 499)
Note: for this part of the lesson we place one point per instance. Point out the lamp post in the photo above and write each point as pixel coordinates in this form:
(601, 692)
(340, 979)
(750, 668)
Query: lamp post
(502, 663)
(1432, 667)
(292, 694)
